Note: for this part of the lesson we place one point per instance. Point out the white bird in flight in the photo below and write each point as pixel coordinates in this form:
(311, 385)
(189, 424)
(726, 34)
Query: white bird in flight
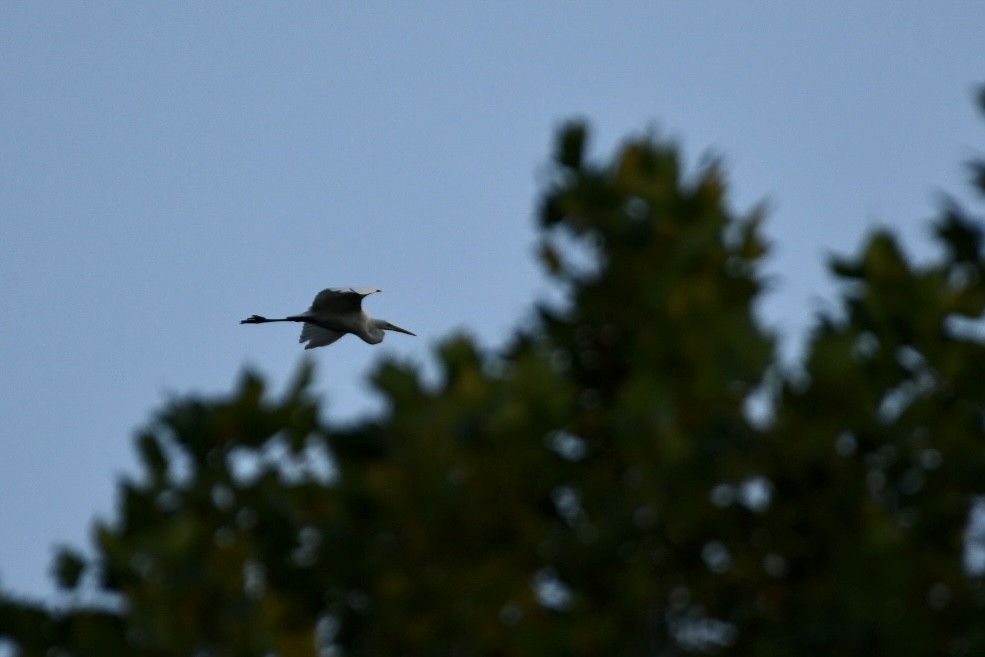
(333, 313)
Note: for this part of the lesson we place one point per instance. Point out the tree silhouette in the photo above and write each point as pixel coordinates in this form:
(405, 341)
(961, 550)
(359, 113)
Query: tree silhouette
(598, 488)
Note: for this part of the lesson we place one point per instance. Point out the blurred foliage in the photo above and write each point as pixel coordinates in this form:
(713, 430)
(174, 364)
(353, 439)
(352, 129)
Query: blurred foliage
(599, 487)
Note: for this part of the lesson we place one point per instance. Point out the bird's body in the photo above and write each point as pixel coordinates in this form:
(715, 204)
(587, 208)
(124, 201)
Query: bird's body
(333, 313)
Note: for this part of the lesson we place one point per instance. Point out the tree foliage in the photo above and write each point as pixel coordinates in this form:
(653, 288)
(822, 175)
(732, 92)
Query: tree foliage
(599, 487)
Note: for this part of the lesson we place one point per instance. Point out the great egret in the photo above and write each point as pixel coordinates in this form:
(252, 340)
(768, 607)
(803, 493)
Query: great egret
(333, 313)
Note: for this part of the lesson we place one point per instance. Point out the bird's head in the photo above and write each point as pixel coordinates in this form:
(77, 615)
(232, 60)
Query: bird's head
(387, 326)
(377, 328)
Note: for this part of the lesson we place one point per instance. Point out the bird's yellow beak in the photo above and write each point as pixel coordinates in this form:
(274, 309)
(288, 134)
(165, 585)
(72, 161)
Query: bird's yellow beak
(392, 327)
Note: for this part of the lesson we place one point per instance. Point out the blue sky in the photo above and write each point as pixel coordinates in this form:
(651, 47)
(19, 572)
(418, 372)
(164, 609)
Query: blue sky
(168, 169)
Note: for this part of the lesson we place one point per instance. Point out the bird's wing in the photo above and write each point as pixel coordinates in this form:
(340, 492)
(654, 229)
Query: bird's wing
(318, 336)
(341, 299)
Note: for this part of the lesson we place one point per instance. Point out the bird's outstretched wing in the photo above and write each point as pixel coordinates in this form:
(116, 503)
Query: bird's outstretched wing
(318, 336)
(341, 299)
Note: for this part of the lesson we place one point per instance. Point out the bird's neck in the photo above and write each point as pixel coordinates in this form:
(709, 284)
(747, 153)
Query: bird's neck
(374, 332)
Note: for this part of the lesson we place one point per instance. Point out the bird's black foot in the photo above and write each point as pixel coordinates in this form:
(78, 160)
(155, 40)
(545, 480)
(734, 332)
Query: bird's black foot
(254, 319)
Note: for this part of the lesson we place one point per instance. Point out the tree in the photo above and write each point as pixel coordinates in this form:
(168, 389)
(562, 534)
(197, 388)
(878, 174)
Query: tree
(596, 489)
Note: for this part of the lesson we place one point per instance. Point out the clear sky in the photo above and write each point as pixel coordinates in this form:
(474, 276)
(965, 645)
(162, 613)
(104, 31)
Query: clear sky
(167, 169)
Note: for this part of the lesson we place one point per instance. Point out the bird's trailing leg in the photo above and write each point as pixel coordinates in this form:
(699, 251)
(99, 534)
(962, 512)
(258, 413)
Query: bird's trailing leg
(259, 319)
